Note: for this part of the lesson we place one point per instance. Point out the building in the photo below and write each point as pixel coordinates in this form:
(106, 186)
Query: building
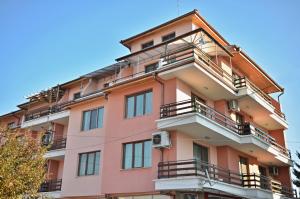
(184, 115)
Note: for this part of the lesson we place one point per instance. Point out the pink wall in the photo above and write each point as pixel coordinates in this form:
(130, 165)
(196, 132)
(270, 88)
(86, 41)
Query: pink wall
(180, 28)
(79, 142)
(124, 130)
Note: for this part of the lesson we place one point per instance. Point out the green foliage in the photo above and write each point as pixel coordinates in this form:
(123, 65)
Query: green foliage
(22, 166)
(296, 172)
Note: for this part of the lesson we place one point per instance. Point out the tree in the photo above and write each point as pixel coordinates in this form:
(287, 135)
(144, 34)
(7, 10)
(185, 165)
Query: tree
(296, 172)
(22, 166)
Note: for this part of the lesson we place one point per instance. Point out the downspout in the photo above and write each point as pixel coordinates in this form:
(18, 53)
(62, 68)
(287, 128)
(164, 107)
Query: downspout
(162, 88)
(161, 103)
(280, 95)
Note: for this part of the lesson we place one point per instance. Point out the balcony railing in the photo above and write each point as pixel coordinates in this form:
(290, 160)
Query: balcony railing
(50, 110)
(194, 106)
(184, 168)
(51, 185)
(248, 129)
(58, 144)
(244, 82)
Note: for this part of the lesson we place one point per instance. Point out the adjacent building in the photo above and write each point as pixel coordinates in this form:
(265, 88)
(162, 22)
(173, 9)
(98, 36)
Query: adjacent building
(184, 115)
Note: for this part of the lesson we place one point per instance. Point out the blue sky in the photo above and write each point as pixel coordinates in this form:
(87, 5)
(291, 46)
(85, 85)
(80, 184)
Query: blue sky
(43, 43)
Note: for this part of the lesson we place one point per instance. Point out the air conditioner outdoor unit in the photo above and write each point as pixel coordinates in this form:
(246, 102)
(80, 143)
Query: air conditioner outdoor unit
(161, 63)
(161, 139)
(233, 105)
(273, 170)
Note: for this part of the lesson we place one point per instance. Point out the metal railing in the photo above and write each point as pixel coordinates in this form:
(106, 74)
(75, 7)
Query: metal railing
(51, 185)
(44, 112)
(243, 82)
(248, 129)
(197, 168)
(194, 106)
(58, 144)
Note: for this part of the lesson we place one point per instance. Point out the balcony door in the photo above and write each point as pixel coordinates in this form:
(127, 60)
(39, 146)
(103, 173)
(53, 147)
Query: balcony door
(201, 109)
(243, 165)
(264, 184)
(200, 153)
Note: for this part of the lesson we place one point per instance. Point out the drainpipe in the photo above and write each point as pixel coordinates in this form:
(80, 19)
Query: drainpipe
(162, 103)
(162, 88)
(280, 95)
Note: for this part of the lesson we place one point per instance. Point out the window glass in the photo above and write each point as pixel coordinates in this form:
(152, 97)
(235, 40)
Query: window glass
(100, 117)
(94, 114)
(92, 119)
(86, 120)
(76, 95)
(147, 45)
(139, 105)
(168, 37)
(148, 105)
(82, 164)
(90, 164)
(138, 154)
(200, 153)
(130, 107)
(128, 156)
(97, 162)
(150, 67)
(147, 154)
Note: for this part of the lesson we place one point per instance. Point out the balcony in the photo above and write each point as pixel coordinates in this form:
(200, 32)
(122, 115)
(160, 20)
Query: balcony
(252, 100)
(40, 118)
(51, 185)
(58, 144)
(56, 149)
(200, 121)
(192, 174)
(51, 188)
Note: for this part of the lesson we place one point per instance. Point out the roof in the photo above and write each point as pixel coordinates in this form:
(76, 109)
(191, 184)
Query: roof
(106, 71)
(193, 12)
(11, 113)
(175, 39)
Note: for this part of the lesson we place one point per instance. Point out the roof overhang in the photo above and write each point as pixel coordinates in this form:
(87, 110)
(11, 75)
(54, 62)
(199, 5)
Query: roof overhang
(254, 72)
(159, 48)
(193, 16)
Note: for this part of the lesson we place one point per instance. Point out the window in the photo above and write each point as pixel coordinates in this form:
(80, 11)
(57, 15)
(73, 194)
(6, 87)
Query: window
(147, 44)
(92, 119)
(168, 37)
(151, 67)
(11, 125)
(139, 104)
(200, 152)
(239, 119)
(137, 154)
(243, 164)
(76, 95)
(89, 163)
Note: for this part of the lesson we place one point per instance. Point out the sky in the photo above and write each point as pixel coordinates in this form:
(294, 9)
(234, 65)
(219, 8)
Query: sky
(45, 43)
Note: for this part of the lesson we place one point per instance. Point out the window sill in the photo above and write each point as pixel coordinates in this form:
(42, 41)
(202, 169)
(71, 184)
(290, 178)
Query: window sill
(90, 130)
(135, 169)
(84, 176)
(140, 116)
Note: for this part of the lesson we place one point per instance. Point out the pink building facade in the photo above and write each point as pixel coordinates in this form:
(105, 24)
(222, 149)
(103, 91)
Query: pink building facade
(184, 115)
